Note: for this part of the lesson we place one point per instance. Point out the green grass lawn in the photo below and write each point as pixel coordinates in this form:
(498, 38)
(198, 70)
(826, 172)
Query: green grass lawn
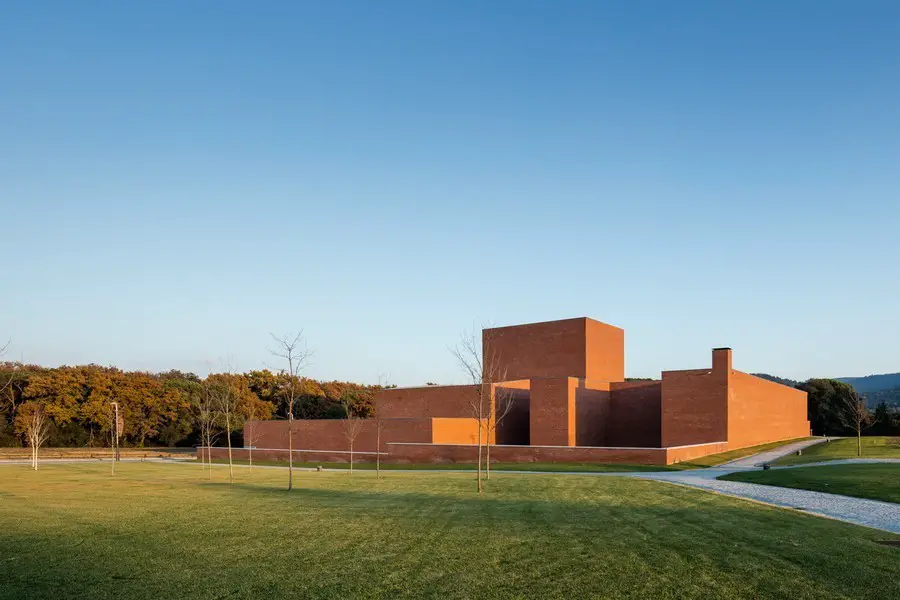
(164, 531)
(879, 482)
(876, 446)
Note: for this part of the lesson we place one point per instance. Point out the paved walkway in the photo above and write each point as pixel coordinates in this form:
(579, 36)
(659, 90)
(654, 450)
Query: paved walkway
(859, 511)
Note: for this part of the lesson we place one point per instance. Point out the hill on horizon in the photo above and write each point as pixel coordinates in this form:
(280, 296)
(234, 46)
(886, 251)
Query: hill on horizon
(873, 383)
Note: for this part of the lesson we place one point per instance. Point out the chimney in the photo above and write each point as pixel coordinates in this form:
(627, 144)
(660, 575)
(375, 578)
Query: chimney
(721, 360)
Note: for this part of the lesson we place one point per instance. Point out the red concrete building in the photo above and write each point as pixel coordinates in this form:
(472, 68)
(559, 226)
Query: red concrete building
(561, 388)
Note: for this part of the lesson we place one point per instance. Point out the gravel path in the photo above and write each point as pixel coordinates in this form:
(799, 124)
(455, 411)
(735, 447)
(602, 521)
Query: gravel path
(757, 460)
(870, 513)
(859, 511)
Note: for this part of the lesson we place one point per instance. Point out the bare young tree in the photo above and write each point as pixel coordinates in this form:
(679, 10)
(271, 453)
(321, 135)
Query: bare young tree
(352, 426)
(225, 399)
(37, 429)
(481, 374)
(205, 417)
(855, 414)
(251, 437)
(379, 427)
(293, 350)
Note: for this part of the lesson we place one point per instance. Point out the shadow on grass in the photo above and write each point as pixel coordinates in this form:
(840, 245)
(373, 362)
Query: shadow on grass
(525, 537)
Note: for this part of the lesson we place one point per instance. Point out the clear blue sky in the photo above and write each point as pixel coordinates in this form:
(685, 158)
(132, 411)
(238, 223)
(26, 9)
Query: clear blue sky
(179, 179)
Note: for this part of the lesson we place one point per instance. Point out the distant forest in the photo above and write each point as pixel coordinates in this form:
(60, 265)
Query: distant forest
(157, 409)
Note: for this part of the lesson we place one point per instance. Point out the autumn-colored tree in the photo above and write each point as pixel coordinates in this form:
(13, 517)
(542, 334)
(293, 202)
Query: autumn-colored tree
(156, 409)
(180, 424)
(145, 404)
(265, 385)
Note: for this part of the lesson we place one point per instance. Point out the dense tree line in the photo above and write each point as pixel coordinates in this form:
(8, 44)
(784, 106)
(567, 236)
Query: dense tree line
(157, 408)
(827, 404)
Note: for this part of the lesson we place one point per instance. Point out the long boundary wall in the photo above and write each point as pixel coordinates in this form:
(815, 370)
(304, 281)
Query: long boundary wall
(424, 453)
(761, 411)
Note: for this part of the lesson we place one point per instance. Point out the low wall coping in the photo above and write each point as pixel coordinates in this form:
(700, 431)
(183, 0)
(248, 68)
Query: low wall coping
(573, 447)
(236, 448)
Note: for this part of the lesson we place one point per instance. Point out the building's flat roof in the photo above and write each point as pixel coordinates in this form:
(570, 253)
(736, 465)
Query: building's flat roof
(550, 321)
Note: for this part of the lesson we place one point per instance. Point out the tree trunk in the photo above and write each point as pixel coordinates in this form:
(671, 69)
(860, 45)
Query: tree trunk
(378, 450)
(251, 456)
(487, 457)
(209, 454)
(479, 483)
(351, 457)
(291, 451)
(228, 435)
(858, 441)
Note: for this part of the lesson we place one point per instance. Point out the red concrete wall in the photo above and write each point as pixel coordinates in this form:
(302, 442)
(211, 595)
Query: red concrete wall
(303, 456)
(677, 455)
(552, 411)
(424, 453)
(551, 349)
(445, 401)
(400, 453)
(761, 411)
(694, 407)
(581, 347)
(330, 434)
(592, 409)
(459, 431)
(635, 417)
(605, 351)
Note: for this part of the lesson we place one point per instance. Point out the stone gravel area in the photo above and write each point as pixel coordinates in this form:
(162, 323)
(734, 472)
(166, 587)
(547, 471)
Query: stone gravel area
(860, 511)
